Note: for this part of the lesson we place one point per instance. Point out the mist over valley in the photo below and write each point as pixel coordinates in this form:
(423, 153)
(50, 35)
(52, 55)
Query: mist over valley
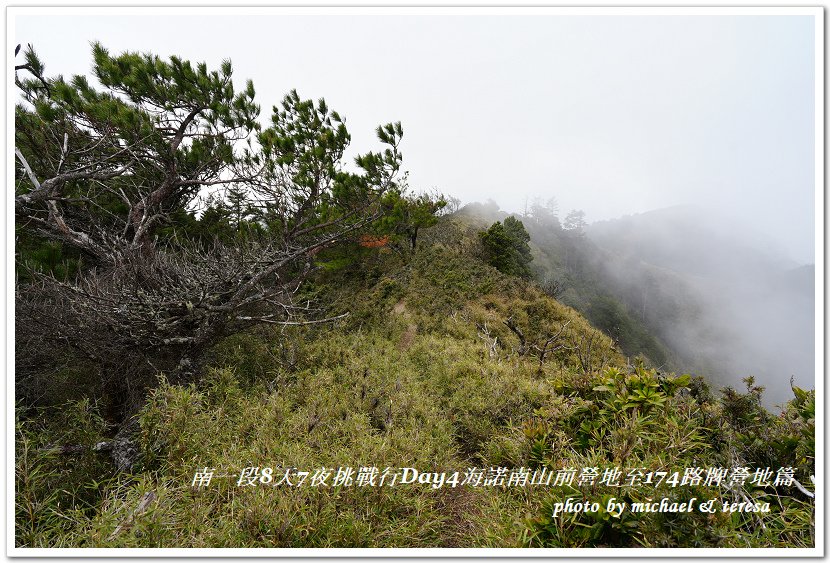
(685, 288)
(265, 296)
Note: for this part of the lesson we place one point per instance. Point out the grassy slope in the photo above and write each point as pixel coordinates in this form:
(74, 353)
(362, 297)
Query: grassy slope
(411, 378)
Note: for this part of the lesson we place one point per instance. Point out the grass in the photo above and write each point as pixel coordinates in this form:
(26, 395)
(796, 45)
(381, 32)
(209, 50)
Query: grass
(424, 373)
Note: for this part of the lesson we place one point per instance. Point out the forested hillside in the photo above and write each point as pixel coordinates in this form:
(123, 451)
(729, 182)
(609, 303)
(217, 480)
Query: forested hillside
(229, 336)
(609, 290)
(755, 308)
(686, 293)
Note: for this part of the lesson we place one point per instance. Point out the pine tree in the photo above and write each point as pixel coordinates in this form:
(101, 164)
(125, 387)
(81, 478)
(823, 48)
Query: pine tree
(575, 223)
(114, 175)
(506, 247)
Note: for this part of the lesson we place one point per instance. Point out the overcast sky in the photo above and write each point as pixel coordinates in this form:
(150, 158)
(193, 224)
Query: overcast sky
(612, 115)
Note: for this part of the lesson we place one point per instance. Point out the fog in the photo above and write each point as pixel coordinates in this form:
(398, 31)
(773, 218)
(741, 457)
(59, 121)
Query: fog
(614, 115)
(740, 307)
(611, 114)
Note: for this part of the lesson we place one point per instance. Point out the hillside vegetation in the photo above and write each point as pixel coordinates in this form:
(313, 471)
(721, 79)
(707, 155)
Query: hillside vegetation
(425, 373)
(746, 308)
(228, 336)
(682, 290)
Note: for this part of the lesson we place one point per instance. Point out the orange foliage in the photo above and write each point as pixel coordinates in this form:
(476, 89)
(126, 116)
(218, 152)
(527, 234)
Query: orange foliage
(373, 241)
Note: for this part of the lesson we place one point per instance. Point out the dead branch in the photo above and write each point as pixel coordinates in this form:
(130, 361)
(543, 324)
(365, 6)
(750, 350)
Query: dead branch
(552, 344)
(146, 499)
(517, 331)
(491, 342)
